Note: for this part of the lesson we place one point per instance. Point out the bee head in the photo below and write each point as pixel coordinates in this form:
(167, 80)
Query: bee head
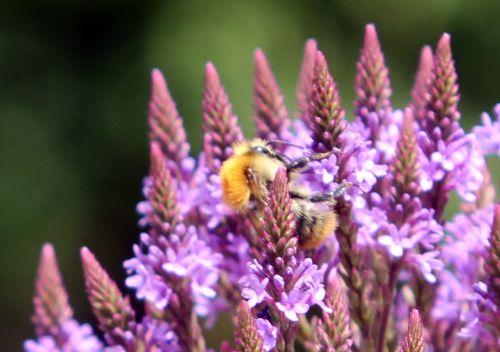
(261, 149)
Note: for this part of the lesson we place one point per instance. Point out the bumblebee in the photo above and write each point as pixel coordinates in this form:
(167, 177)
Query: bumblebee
(246, 176)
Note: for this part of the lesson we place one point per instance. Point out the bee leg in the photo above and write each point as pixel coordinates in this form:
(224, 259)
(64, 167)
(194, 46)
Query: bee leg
(322, 197)
(301, 163)
(257, 186)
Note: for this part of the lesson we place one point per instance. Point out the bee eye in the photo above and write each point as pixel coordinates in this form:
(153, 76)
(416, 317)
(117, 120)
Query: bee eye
(261, 150)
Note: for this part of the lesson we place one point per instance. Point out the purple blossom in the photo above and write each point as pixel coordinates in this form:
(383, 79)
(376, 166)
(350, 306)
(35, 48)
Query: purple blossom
(488, 134)
(268, 332)
(186, 256)
(389, 135)
(460, 161)
(157, 333)
(148, 284)
(308, 288)
(457, 299)
(74, 338)
(467, 238)
(427, 263)
(253, 289)
(293, 303)
(151, 335)
(205, 194)
(420, 229)
(360, 172)
(451, 295)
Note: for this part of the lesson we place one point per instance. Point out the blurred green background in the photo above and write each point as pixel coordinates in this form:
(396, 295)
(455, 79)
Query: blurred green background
(74, 86)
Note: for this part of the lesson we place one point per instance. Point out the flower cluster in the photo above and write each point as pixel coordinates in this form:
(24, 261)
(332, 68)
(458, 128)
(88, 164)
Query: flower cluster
(73, 337)
(487, 134)
(280, 282)
(394, 274)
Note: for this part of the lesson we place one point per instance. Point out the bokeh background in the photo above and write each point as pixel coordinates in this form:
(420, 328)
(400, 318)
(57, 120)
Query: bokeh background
(74, 86)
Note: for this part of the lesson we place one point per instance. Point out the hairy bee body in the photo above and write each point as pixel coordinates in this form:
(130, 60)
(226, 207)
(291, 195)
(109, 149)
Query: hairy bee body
(236, 189)
(246, 175)
(314, 223)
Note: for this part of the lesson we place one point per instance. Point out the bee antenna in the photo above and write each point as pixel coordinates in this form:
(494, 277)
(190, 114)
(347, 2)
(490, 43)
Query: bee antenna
(277, 141)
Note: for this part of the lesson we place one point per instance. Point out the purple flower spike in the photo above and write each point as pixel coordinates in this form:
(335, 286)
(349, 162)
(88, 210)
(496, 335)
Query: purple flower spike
(246, 335)
(278, 228)
(413, 341)
(55, 327)
(279, 278)
(219, 124)
(373, 87)
(161, 194)
(405, 169)
(166, 126)
(333, 329)
(423, 77)
(52, 308)
(453, 163)
(271, 116)
(111, 308)
(306, 79)
(442, 107)
(325, 115)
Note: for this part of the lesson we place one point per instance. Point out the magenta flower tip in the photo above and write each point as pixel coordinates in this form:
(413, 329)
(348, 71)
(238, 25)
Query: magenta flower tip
(325, 116)
(219, 123)
(85, 253)
(212, 79)
(48, 250)
(444, 43)
(373, 87)
(420, 91)
(371, 37)
(111, 308)
(271, 116)
(311, 46)
(306, 77)
(52, 308)
(158, 81)
(426, 57)
(333, 329)
(413, 340)
(247, 337)
(259, 57)
(166, 126)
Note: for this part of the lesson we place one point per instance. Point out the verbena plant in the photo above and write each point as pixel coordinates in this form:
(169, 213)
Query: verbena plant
(395, 275)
